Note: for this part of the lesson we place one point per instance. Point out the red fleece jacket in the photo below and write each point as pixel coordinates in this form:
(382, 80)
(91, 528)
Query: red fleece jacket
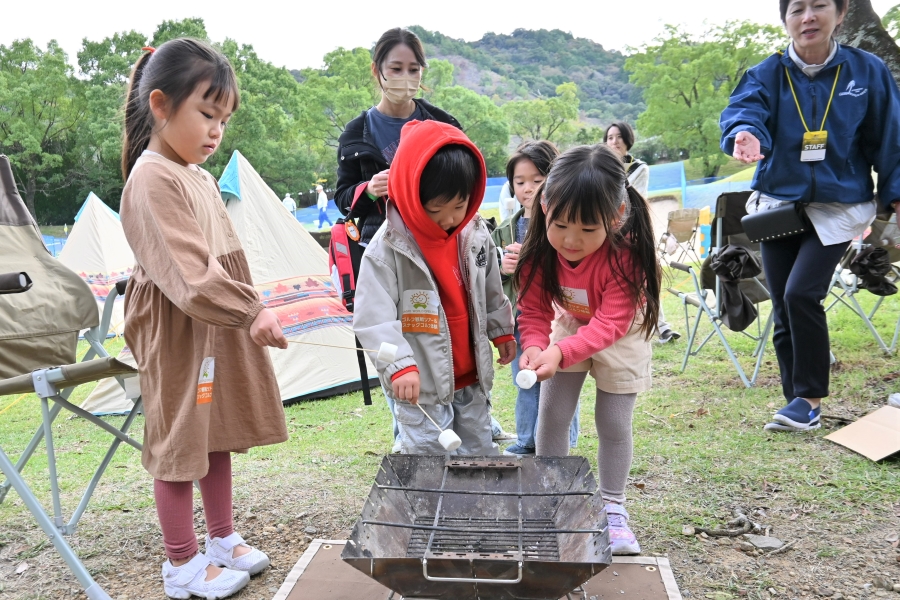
(419, 141)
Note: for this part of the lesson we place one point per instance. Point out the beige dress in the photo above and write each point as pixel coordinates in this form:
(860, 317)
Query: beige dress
(188, 309)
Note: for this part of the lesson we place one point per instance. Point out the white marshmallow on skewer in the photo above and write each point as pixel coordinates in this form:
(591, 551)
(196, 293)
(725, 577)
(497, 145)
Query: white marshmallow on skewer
(387, 352)
(526, 379)
(449, 440)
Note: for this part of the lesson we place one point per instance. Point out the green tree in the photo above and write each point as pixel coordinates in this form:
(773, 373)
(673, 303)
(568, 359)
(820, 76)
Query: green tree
(105, 66)
(171, 29)
(551, 119)
(333, 96)
(891, 21)
(266, 128)
(41, 108)
(687, 83)
(481, 119)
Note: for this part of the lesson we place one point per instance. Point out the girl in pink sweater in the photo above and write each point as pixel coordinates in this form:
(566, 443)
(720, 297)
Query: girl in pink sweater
(589, 286)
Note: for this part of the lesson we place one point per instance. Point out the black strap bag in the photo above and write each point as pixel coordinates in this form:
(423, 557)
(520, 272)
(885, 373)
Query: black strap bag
(775, 223)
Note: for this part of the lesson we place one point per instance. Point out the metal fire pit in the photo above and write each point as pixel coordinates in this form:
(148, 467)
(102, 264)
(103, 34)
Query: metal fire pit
(461, 528)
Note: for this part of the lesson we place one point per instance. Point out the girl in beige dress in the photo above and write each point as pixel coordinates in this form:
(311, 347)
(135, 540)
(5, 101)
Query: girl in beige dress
(192, 317)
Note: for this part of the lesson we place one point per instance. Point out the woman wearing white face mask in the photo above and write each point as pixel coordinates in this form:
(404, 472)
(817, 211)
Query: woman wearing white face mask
(369, 142)
(367, 146)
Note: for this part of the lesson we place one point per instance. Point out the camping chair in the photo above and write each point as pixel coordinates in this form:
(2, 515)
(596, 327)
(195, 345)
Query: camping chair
(681, 231)
(845, 285)
(43, 312)
(727, 229)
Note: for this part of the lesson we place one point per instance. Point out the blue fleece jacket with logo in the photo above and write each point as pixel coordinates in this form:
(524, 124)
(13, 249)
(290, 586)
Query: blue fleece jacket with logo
(863, 127)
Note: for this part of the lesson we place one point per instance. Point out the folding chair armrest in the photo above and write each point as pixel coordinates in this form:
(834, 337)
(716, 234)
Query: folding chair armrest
(69, 375)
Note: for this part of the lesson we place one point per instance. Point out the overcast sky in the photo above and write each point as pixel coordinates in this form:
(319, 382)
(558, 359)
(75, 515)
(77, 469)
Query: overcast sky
(298, 34)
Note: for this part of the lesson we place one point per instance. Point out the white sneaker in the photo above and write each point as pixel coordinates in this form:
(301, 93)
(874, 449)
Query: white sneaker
(190, 580)
(220, 552)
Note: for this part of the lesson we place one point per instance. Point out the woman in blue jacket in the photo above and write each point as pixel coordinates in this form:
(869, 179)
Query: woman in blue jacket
(818, 117)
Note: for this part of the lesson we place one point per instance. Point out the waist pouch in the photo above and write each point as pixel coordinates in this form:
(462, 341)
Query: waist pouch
(776, 223)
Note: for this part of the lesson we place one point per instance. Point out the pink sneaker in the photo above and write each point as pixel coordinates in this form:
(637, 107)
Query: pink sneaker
(621, 538)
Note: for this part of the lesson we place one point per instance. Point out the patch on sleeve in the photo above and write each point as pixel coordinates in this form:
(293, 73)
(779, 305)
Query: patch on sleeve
(421, 312)
(205, 382)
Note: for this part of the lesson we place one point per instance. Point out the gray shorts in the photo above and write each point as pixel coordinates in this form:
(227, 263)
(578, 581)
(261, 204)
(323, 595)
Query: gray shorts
(468, 415)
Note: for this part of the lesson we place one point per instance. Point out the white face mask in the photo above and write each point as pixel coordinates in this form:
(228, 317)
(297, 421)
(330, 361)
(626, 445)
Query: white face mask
(400, 90)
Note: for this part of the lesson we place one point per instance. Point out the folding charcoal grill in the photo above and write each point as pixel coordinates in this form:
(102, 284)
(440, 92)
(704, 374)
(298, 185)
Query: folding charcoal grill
(441, 527)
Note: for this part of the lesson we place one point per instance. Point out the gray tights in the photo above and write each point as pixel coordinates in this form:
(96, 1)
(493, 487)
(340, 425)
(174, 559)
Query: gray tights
(612, 415)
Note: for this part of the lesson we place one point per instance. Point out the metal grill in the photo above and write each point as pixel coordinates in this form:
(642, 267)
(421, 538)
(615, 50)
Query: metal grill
(536, 544)
(480, 528)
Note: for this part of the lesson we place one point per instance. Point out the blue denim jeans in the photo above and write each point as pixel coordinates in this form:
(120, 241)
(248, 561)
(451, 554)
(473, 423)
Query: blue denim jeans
(527, 407)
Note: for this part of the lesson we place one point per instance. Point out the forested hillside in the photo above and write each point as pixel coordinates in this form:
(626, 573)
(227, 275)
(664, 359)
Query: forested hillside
(528, 64)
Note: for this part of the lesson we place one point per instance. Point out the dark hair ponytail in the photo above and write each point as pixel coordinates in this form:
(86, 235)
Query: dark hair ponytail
(138, 121)
(588, 184)
(176, 68)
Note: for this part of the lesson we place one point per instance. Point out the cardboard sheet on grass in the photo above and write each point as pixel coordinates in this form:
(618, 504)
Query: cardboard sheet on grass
(290, 271)
(875, 436)
(320, 574)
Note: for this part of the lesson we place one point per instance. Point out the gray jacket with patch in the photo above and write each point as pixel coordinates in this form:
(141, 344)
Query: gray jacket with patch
(393, 269)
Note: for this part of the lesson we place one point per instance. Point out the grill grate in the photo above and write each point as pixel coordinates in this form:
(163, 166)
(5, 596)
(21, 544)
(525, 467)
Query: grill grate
(475, 543)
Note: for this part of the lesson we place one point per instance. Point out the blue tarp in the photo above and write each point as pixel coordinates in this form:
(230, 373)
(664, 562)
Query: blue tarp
(667, 177)
(310, 214)
(54, 244)
(698, 196)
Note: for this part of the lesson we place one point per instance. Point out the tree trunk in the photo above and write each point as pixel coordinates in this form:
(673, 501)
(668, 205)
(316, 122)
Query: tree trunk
(30, 188)
(862, 29)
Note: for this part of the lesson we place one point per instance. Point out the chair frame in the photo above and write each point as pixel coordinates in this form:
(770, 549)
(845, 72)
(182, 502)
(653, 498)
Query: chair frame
(843, 292)
(49, 384)
(687, 249)
(714, 313)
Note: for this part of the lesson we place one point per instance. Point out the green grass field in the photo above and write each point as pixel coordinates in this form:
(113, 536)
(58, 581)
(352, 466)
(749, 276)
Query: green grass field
(699, 451)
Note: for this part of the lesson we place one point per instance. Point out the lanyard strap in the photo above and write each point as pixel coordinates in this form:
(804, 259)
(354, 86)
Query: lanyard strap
(797, 102)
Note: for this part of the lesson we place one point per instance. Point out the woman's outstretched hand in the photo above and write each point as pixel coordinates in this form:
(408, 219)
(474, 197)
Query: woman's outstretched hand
(746, 148)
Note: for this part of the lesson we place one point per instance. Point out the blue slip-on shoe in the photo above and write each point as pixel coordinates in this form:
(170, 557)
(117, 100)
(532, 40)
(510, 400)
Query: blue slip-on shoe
(799, 414)
(517, 450)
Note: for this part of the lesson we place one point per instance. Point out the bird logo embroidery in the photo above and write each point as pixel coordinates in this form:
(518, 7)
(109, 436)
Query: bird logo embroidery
(853, 91)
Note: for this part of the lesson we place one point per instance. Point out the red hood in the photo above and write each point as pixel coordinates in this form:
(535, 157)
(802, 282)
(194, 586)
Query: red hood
(419, 141)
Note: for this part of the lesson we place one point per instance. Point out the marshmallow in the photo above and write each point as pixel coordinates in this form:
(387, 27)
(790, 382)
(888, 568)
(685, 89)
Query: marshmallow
(449, 440)
(526, 379)
(387, 352)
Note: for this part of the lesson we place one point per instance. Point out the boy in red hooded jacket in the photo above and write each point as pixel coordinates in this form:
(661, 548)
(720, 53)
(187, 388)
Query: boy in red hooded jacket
(429, 284)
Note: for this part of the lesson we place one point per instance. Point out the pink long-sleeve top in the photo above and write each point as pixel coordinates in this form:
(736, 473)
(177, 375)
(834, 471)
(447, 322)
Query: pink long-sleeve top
(595, 296)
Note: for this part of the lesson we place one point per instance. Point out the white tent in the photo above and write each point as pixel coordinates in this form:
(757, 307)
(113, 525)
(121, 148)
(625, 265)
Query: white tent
(97, 250)
(290, 271)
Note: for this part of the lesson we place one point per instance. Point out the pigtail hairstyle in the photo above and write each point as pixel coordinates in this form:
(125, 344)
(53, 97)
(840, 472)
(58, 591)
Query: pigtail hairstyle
(176, 68)
(588, 184)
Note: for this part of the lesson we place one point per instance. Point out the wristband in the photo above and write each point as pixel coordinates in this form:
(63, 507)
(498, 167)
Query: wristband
(371, 197)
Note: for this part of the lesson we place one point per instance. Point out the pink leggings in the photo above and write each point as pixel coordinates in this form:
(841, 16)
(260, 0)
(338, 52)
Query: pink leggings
(175, 507)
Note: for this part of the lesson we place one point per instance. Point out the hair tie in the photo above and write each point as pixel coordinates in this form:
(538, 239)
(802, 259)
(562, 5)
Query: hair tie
(627, 184)
(149, 49)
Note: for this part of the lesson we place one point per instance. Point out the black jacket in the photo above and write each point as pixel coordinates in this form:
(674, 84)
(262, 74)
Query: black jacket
(359, 160)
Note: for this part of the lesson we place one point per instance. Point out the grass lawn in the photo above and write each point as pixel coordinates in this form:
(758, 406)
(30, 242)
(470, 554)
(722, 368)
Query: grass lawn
(700, 451)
